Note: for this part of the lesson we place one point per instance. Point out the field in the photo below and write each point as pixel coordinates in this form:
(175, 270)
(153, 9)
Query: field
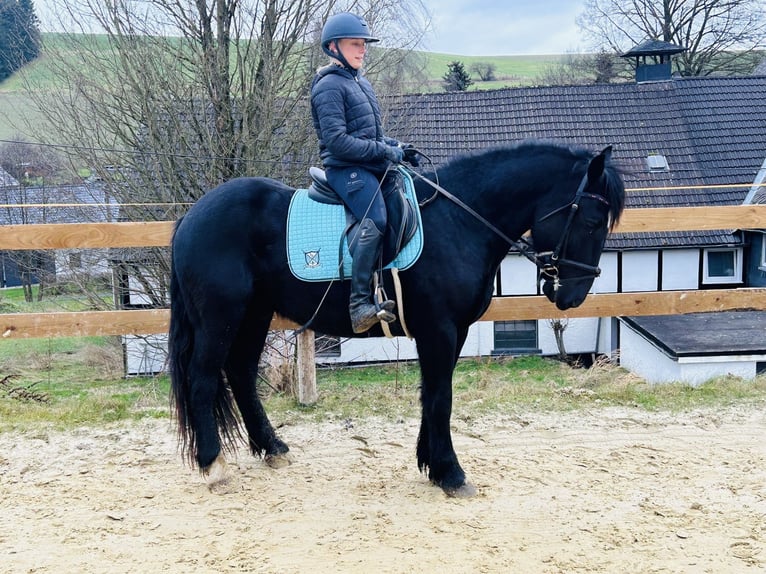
(16, 110)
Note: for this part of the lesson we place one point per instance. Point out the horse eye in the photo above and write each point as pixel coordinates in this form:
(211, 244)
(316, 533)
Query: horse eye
(594, 223)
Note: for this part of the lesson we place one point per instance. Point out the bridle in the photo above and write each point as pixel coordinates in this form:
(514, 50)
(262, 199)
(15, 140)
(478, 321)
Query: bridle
(548, 262)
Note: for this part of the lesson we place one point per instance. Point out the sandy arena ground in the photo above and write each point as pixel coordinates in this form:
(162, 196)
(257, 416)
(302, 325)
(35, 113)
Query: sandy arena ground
(608, 490)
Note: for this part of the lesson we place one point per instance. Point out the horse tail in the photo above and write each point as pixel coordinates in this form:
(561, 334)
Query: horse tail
(180, 346)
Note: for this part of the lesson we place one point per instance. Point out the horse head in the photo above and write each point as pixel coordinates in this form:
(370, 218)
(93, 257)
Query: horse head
(569, 238)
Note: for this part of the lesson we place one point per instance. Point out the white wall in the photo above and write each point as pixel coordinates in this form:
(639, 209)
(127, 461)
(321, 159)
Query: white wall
(639, 271)
(579, 336)
(646, 360)
(680, 269)
(145, 355)
(480, 342)
(607, 281)
(518, 276)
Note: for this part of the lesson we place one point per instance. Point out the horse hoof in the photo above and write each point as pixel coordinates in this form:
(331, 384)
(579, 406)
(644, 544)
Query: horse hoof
(218, 480)
(465, 490)
(280, 460)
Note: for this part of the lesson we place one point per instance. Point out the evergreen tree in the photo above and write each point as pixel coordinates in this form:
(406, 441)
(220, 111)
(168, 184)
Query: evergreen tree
(456, 79)
(19, 35)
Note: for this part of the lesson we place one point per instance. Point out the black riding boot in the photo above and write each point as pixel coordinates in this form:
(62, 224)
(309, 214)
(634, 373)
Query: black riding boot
(366, 251)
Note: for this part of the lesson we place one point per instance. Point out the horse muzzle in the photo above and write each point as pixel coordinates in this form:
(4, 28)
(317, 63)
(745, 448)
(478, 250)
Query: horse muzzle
(567, 294)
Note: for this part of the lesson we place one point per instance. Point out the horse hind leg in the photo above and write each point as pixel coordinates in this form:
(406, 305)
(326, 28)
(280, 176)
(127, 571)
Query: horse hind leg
(210, 410)
(241, 372)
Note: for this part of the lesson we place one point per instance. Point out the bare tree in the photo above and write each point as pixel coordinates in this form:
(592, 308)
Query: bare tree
(558, 326)
(26, 161)
(721, 36)
(581, 69)
(485, 70)
(171, 97)
(168, 98)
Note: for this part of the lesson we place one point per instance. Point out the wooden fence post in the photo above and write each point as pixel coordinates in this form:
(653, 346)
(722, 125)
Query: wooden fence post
(307, 375)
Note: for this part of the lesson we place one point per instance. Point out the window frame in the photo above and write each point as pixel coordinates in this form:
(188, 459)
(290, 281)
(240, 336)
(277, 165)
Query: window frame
(735, 277)
(518, 347)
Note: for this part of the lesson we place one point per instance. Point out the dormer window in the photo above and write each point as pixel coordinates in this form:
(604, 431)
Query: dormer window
(657, 162)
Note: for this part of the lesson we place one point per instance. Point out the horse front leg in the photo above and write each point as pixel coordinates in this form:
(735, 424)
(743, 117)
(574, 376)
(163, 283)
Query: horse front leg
(435, 452)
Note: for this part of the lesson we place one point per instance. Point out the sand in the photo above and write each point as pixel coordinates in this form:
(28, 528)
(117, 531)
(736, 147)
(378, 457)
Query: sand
(605, 490)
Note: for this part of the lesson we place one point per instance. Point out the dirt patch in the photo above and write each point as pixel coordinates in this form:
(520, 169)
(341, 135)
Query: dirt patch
(604, 491)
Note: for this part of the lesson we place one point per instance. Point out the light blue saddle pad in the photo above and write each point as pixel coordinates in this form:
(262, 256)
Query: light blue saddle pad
(314, 233)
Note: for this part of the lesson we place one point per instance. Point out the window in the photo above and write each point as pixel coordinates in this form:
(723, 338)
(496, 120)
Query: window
(762, 264)
(75, 260)
(516, 336)
(657, 162)
(722, 266)
(327, 345)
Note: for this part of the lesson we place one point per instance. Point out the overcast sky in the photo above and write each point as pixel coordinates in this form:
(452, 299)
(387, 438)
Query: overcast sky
(481, 27)
(504, 27)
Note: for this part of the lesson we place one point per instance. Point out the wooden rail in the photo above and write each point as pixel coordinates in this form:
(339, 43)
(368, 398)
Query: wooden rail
(158, 233)
(152, 321)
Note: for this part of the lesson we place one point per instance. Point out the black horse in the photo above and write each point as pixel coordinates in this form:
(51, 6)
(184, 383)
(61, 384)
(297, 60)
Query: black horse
(230, 276)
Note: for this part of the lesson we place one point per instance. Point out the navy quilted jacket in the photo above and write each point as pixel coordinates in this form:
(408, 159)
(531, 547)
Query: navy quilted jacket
(347, 120)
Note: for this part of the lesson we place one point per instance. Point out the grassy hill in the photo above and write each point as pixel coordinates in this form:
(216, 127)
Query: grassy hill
(509, 71)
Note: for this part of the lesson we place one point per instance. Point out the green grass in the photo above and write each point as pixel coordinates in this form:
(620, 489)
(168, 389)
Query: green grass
(510, 386)
(82, 383)
(510, 71)
(63, 298)
(68, 382)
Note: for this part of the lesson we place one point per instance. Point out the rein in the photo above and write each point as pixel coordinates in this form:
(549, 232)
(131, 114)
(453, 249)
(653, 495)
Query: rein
(548, 262)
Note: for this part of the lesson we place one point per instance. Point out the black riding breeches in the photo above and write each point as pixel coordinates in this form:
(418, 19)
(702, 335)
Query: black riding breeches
(360, 191)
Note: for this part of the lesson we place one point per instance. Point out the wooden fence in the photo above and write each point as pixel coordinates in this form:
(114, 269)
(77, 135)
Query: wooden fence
(152, 234)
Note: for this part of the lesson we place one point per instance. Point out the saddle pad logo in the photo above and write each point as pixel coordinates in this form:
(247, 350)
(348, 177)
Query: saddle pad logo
(312, 259)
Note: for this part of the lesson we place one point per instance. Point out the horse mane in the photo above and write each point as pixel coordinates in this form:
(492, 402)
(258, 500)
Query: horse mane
(528, 150)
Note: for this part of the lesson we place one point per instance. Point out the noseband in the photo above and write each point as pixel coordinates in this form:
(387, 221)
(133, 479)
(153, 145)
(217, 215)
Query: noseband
(548, 262)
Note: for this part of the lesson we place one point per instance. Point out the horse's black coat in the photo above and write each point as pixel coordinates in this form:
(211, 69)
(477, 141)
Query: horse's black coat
(230, 275)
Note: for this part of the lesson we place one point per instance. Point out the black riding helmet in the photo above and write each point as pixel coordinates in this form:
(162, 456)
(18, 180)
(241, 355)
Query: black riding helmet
(344, 25)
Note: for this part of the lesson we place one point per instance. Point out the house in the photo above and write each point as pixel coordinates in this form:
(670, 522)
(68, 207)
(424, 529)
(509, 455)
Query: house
(6, 179)
(695, 347)
(53, 204)
(682, 142)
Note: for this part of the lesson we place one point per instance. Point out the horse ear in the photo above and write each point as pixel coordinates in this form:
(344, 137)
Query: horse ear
(596, 166)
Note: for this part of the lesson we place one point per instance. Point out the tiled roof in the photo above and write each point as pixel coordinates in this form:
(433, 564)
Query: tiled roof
(711, 130)
(59, 204)
(6, 179)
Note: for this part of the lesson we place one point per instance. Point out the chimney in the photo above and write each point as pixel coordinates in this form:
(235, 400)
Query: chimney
(653, 60)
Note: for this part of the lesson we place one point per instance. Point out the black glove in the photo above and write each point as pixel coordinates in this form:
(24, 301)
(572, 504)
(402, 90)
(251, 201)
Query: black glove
(411, 155)
(394, 154)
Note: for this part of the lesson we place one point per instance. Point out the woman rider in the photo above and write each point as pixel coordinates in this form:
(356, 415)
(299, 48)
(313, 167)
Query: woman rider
(355, 154)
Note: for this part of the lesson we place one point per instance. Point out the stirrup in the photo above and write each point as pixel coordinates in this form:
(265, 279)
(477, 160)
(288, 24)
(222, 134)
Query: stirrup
(385, 314)
(383, 304)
